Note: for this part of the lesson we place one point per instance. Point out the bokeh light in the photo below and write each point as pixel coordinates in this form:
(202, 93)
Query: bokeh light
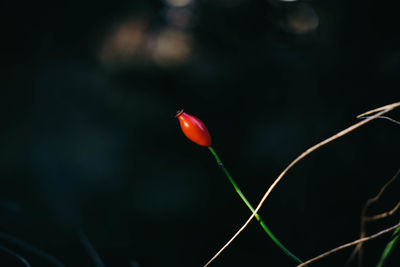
(171, 47)
(89, 139)
(178, 3)
(302, 19)
(125, 43)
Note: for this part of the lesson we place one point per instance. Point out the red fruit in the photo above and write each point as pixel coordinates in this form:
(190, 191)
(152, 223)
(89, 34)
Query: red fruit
(194, 129)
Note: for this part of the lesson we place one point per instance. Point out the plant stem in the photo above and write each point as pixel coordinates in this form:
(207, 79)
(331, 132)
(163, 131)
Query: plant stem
(389, 248)
(30, 248)
(89, 247)
(269, 233)
(19, 257)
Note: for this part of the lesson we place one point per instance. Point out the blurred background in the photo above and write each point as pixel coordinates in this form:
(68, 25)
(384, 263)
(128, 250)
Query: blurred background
(89, 142)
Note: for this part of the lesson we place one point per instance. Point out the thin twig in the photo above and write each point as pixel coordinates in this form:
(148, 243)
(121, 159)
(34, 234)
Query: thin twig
(358, 249)
(382, 117)
(375, 111)
(362, 240)
(258, 217)
(389, 248)
(376, 198)
(383, 215)
(380, 111)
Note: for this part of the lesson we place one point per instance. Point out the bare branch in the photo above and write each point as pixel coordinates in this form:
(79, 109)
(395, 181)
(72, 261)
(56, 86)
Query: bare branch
(362, 240)
(358, 249)
(380, 111)
(382, 117)
(383, 215)
(376, 198)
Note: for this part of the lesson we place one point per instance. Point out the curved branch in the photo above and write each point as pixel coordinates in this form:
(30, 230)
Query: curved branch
(362, 240)
(378, 112)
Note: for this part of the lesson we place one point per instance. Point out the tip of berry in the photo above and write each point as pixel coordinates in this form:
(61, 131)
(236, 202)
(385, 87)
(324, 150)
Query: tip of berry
(178, 113)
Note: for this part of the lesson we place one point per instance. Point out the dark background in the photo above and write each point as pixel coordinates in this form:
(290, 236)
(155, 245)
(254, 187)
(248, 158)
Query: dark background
(89, 139)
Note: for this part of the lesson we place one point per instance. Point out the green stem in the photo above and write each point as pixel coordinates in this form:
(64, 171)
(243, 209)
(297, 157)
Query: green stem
(269, 233)
(389, 248)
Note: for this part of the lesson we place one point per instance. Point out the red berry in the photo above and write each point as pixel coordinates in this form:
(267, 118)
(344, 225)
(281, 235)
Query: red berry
(194, 129)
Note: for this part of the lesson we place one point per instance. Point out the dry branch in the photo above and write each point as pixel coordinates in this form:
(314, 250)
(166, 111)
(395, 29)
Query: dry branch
(364, 218)
(358, 241)
(376, 113)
